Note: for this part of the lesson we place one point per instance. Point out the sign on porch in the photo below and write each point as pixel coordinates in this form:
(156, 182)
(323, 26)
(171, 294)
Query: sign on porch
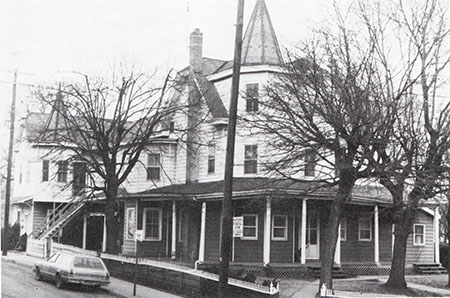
(139, 235)
(238, 226)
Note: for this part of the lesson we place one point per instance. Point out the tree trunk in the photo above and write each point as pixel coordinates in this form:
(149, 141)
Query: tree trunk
(331, 234)
(346, 184)
(112, 225)
(403, 222)
(448, 239)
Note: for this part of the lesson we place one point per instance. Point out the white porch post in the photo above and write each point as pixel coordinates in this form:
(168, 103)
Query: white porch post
(393, 238)
(376, 236)
(174, 230)
(201, 249)
(303, 234)
(104, 234)
(84, 230)
(267, 227)
(337, 252)
(436, 234)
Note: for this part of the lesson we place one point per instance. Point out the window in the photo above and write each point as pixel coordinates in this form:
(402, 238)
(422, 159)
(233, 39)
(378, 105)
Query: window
(252, 96)
(20, 173)
(344, 229)
(211, 158)
(152, 224)
(62, 171)
(250, 159)
(250, 227)
(310, 162)
(45, 169)
(79, 177)
(365, 228)
(419, 234)
(171, 126)
(279, 227)
(154, 166)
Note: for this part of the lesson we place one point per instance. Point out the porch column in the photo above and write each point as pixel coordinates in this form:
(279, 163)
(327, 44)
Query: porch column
(201, 249)
(436, 234)
(303, 234)
(104, 234)
(84, 231)
(393, 238)
(337, 252)
(376, 236)
(174, 230)
(267, 227)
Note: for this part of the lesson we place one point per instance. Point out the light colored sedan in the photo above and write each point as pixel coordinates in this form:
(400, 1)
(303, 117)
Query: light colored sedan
(78, 269)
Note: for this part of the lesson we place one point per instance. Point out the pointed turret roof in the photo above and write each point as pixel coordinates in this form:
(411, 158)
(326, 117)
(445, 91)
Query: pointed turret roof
(260, 44)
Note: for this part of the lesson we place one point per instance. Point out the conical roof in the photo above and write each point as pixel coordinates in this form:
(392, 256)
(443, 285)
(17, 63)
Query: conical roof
(260, 44)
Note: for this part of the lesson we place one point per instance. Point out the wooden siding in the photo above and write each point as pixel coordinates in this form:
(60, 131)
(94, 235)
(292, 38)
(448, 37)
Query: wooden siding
(385, 237)
(249, 250)
(281, 250)
(352, 249)
(40, 213)
(212, 231)
(154, 248)
(421, 254)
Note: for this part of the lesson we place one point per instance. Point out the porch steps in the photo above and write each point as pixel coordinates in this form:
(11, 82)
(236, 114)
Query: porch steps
(430, 268)
(337, 272)
(59, 217)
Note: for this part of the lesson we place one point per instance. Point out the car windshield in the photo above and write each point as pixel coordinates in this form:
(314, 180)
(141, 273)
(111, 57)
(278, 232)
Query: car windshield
(92, 263)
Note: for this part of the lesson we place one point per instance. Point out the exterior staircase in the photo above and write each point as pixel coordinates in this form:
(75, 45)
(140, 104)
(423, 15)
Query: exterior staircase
(430, 268)
(59, 217)
(337, 272)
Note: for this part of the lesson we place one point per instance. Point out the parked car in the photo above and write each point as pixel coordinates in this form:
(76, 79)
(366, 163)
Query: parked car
(77, 269)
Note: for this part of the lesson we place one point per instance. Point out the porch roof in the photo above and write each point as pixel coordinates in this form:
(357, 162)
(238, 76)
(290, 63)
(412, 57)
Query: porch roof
(258, 187)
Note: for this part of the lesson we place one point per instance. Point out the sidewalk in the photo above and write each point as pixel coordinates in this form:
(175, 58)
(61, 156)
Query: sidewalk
(117, 287)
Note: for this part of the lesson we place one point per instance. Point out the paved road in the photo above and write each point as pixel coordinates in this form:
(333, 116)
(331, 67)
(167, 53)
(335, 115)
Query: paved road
(18, 282)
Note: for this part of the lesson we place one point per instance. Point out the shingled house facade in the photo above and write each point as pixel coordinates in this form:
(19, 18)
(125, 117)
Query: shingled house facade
(283, 220)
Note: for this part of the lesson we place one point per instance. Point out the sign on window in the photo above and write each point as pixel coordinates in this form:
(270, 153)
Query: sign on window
(238, 226)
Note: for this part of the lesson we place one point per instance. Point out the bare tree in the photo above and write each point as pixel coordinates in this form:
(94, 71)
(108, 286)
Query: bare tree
(326, 100)
(107, 126)
(411, 160)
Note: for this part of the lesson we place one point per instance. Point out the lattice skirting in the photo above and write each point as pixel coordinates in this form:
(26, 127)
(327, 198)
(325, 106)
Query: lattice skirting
(372, 269)
(302, 271)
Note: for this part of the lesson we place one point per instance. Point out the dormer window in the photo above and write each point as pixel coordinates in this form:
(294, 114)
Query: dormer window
(310, 162)
(252, 97)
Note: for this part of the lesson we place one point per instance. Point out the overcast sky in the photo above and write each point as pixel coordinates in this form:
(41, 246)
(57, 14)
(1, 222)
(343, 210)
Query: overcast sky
(48, 38)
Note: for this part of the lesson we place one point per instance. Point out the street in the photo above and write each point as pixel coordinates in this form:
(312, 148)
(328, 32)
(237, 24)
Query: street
(18, 282)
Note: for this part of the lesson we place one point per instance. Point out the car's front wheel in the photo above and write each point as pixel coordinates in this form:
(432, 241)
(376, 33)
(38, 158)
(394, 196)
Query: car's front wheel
(37, 274)
(58, 281)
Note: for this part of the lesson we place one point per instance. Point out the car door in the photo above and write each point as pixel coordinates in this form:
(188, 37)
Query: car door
(53, 265)
(45, 266)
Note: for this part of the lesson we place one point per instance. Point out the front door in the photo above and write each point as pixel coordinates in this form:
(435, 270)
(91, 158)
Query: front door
(312, 236)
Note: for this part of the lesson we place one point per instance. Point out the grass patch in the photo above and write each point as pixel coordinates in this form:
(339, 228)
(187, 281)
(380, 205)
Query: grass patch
(437, 281)
(376, 287)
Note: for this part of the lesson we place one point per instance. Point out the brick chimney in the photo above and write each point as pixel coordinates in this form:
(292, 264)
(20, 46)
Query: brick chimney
(196, 51)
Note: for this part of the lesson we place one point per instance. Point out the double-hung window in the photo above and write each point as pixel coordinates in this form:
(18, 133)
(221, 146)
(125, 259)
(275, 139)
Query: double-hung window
(279, 227)
(45, 169)
(62, 171)
(310, 162)
(343, 230)
(252, 97)
(365, 228)
(211, 158)
(251, 159)
(152, 224)
(250, 227)
(154, 167)
(419, 234)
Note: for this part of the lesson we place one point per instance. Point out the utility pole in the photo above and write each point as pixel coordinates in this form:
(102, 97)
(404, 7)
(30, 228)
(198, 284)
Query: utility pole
(8, 174)
(226, 218)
